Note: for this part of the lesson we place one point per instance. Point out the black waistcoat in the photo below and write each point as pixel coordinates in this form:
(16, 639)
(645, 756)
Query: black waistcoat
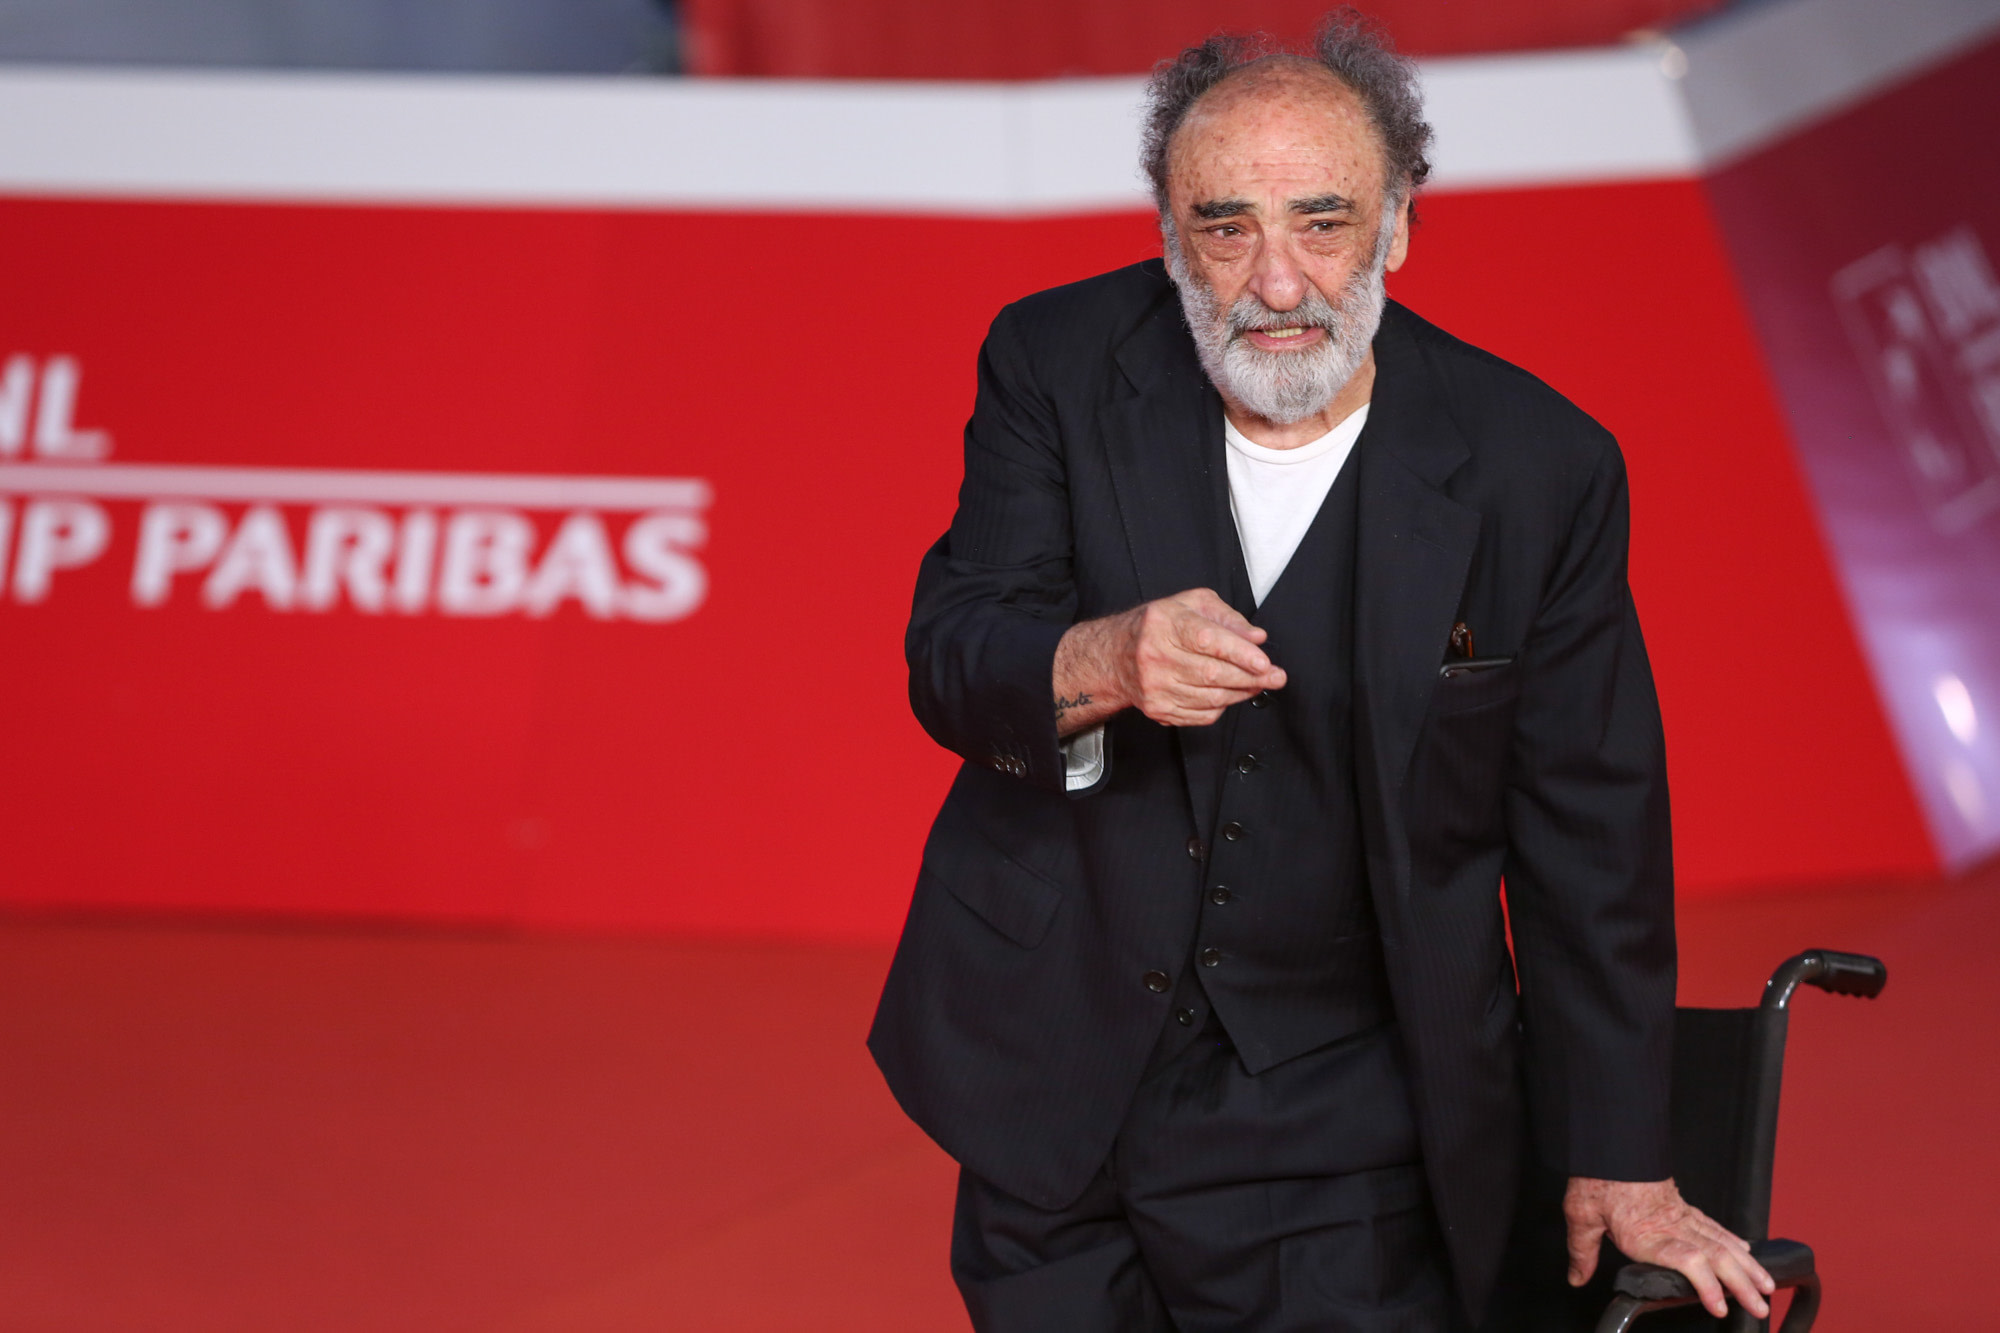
(1286, 948)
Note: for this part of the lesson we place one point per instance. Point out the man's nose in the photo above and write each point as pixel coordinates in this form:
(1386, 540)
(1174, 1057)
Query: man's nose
(1278, 280)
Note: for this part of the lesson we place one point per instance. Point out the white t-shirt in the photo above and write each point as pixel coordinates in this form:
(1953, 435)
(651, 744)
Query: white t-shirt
(1273, 496)
(1274, 493)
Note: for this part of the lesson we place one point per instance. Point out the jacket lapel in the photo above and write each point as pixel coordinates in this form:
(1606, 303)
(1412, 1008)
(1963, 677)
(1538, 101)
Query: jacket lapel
(1164, 442)
(1414, 549)
(1164, 446)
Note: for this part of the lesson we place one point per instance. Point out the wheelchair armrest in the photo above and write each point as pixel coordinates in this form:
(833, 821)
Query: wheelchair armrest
(1651, 1282)
(1789, 1262)
(1643, 1288)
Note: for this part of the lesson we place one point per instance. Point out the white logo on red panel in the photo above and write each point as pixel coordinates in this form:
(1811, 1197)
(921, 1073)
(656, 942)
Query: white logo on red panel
(389, 542)
(1926, 324)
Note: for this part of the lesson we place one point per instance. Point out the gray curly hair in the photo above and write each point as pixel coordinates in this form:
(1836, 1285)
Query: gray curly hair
(1348, 46)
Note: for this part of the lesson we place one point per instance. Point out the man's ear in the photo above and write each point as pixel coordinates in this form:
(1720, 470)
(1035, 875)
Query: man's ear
(1399, 248)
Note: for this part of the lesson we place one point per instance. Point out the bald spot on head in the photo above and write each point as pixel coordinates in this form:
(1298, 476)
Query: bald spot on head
(1282, 116)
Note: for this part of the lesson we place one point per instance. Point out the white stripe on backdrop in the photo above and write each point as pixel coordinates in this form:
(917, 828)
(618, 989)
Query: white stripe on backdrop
(1649, 110)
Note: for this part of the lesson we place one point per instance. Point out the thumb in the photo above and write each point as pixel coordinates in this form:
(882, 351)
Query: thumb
(1586, 1236)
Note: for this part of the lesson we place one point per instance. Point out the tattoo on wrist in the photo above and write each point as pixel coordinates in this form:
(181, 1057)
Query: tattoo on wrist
(1064, 705)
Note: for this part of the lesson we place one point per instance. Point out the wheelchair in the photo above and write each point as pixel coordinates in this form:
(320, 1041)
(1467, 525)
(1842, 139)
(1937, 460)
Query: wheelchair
(1728, 1066)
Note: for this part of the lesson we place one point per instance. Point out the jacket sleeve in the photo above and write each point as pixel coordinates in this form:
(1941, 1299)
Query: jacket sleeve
(994, 594)
(1589, 875)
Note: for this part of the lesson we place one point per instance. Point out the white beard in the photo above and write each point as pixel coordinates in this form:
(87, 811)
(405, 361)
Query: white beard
(1287, 386)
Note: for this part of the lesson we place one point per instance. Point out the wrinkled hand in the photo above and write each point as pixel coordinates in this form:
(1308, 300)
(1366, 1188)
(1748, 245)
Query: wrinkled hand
(1650, 1222)
(1180, 660)
(1189, 656)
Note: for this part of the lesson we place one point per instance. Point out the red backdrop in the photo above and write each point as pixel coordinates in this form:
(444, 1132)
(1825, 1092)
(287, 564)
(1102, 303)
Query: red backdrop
(1906, 471)
(752, 768)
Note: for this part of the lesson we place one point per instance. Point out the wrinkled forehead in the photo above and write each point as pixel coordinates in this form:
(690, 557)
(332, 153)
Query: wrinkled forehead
(1277, 124)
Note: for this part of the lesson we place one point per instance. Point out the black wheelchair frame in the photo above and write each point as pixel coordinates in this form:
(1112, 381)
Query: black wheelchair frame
(1728, 1069)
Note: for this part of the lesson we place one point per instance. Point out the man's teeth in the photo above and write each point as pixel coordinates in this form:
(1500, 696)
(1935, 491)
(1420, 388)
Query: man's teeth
(1281, 333)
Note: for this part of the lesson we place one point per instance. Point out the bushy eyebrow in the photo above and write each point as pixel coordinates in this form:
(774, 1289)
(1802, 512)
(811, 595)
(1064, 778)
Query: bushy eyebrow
(1322, 203)
(1214, 210)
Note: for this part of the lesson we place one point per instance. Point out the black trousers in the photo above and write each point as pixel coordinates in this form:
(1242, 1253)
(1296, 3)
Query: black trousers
(1292, 1200)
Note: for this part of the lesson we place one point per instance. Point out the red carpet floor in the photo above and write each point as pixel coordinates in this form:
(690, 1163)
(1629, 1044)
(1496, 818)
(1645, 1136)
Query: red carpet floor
(215, 1128)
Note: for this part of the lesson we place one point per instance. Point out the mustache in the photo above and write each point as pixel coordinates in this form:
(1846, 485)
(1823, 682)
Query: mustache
(1249, 314)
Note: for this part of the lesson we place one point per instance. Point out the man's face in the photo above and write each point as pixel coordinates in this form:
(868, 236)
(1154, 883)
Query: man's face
(1276, 197)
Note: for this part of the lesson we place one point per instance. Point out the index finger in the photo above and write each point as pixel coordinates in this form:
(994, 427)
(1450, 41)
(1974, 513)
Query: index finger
(1718, 1276)
(1741, 1274)
(1208, 604)
(1219, 641)
(1702, 1278)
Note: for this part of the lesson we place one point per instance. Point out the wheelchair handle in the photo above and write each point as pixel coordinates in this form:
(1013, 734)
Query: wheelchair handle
(1840, 973)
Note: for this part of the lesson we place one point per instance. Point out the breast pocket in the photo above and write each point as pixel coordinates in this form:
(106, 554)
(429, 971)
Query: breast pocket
(1459, 771)
(1476, 683)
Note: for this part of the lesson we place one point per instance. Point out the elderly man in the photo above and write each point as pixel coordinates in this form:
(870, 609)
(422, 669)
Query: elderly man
(1277, 627)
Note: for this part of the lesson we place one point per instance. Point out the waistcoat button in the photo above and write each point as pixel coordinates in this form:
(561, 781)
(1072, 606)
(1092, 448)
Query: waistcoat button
(1233, 831)
(1210, 957)
(1220, 894)
(1185, 1017)
(1247, 764)
(1261, 699)
(1157, 982)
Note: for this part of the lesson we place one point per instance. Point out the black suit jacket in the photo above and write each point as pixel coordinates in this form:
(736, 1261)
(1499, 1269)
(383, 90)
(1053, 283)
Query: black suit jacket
(1015, 1024)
